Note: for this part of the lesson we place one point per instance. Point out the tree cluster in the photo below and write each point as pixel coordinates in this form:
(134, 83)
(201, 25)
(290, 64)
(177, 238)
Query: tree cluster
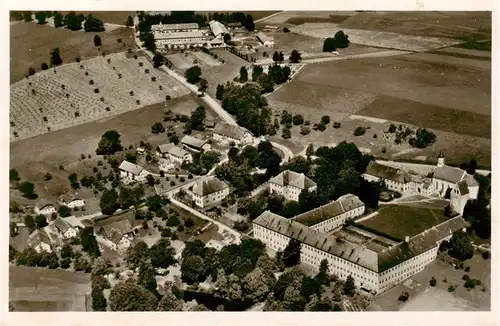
(339, 41)
(423, 138)
(202, 162)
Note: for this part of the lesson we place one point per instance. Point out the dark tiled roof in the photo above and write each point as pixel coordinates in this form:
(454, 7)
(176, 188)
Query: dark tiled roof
(387, 172)
(463, 189)
(61, 225)
(163, 148)
(37, 237)
(231, 131)
(450, 174)
(294, 179)
(207, 187)
(115, 231)
(130, 167)
(193, 142)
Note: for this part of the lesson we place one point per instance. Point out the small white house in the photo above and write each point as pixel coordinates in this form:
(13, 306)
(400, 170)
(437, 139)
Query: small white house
(209, 192)
(267, 41)
(72, 201)
(39, 241)
(225, 133)
(64, 228)
(179, 155)
(45, 209)
(290, 184)
(130, 172)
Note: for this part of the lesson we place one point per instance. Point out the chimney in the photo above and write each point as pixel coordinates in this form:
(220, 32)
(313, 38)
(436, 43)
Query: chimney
(407, 239)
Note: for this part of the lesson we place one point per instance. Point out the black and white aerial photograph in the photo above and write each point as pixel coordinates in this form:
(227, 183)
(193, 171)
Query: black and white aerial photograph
(251, 161)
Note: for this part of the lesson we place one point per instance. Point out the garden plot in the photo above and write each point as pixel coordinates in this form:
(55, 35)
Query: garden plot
(375, 38)
(83, 92)
(181, 61)
(205, 59)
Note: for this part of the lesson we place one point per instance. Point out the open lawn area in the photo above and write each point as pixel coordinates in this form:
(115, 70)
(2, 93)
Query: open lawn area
(400, 221)
(112, 17)
(40, 289)
(30, 45)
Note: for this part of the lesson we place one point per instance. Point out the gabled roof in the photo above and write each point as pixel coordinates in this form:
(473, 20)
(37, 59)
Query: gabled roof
(217, 28)
(37, 237)
(130, 167)
(61, 224)
(193, 141)
(463, 189)
(320, 214)
(177, 152)
(44, 204)
(163, 148)
(264, 38)
(207, 187)
(68, 198)
(387, 172)
(115, 231)
(231, 131)
(293, 179)
(170, 27)
(450, 174)
(178, 35)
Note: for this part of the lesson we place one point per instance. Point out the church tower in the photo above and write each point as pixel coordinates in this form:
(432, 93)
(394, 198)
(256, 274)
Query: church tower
(440, 159)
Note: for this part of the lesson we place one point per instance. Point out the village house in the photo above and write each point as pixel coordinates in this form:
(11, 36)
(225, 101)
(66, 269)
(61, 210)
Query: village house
(64, 228)
(209, 192)
(195, 144)
(421, 185)
(120, 234)
(179, 155)
(45, 208)
(226, 134)
(71, 201)
(394, 179)
(290, 184)
(374, 262)
(162, 150)
(267, 41)
(130, 172)
(39, 241)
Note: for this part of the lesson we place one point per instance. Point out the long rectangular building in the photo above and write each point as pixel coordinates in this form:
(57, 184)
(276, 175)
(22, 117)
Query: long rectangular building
(375, 262)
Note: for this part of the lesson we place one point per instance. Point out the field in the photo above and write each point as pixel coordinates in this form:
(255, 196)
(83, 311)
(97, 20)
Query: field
(400, 220)
(30, 45)
(291, 17)
(82, 92)
(112, 17)
(188, 59)
(375, 38)
(38, 289)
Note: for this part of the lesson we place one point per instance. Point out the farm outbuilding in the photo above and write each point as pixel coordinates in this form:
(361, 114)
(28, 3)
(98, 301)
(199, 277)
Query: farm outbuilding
(267, 41)
(218, 28)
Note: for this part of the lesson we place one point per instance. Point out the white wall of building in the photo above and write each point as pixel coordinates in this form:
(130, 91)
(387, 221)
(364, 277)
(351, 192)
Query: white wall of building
(289, 192)
(43, 247)
(336, 221)
(216, 197)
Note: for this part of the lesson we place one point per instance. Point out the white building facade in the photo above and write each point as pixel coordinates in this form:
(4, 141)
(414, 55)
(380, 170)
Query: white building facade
(290, 184)
(209, 192)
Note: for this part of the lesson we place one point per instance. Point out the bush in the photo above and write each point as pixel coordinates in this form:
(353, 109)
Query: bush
(359, 131)
(404, 296)
(485, 255)
(337, 125)
(304, 130)
(298, 120)
(451, 288)
(433, 281)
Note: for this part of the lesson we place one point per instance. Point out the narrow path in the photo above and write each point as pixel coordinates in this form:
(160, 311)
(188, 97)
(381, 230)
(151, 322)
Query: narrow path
(270, 16)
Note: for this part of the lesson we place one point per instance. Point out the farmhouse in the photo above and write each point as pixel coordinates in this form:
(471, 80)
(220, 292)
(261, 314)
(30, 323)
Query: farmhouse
(235, 25)
(179, 155)
(162, 150)
(272, 28)
(71, 201)
(39, 241)
(376, 263)
(394, 179)
(267, 41)
(332, 215)
(290, 184)
(209, 192)
(194, 144)
(64, 228)
(130, 172)
(217, 28)
(226, 133)
(120, 234)
(45, 208)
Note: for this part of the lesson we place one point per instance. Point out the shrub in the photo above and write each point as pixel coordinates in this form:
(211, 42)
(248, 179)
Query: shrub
(91, 82)
(325, 119)
(433, 281)
(337, 125)
(359, 131)
(485, 255)
(404, 296)
(298, 120)
(304, 130)
(96, 90)
(451, 288)
(321, 126)
(392, 128)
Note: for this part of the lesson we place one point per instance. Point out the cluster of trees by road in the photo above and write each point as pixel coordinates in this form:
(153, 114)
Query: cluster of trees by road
(71, 20)
(421, 138)
(339, 41)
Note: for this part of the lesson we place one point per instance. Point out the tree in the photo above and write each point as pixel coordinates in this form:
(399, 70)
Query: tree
(44, 66)
(99, 302)
(341, 40)
(58, 20)
(169, 301)
(243, 74)
(14, 175)
(461, 246)
(64, 211)
(100, 267)
(89, 242)
(359, 131)
(193, 74)
(309, 286)
(249, 23)
(257, 284)
(276, 56)
(55, 57)
(27, 16)
(109, 144)
(349, 286)
(67, 251)
(325, 119)
(109, 201)
(291, 254)
(97, 40)
(128, 296)
(29, 222)
(28, 190)
(92, 24)
(137, 254)
(266, 83)
(295, 57)
(173, 220)
(158, 60)
(162, 254)
(322, 277)
(41, 17)
(433, 281)
(298, 119)
(157, 128)
(310, 150)
(41, 221)
(192, 269)
(329, 45)
(471, 167)
(203, 86)
(74, 21)
(73, 180)
(129, 22)
(219, 92)
(147, 277)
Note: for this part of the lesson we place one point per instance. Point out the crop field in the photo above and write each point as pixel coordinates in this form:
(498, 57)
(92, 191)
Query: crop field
(291, 17)
(30, 45)
(40, 289)
(429, 23)
(400, 220)
(86, 91)
(375, 38)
